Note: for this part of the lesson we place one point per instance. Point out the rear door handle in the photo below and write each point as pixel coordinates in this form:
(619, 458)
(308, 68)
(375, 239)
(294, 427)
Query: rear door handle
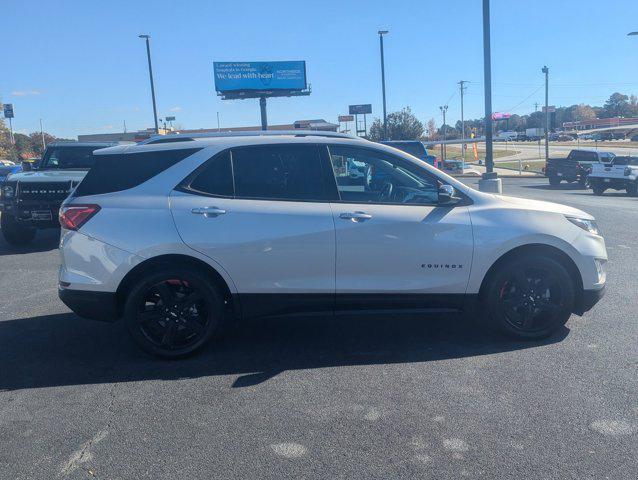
(356, 216)
(209, 212)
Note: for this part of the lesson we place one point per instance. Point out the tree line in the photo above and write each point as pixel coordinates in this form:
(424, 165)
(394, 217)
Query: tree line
(403, 125)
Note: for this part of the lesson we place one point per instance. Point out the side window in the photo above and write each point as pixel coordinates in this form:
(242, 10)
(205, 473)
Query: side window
(369, 176)
(278, 172)
(216, 178)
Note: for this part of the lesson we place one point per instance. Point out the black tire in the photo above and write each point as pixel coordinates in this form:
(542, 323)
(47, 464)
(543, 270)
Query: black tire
(172, 312)
(530, 297)
(554, 181)
(632, 188)
(598, 188)
(14, 233)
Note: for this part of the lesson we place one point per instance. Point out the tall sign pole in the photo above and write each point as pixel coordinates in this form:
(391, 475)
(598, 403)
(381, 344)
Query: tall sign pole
(264, 114)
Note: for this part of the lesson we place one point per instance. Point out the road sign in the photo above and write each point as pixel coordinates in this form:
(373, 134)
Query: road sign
(8, 110)
(170, 119)
(550, 109)
(360, 109)
(346, 118)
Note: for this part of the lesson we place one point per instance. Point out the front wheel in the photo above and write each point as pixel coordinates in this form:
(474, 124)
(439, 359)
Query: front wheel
(554, 181)
(173, 312)
(14, 233)
(632, 188)
(529, 298)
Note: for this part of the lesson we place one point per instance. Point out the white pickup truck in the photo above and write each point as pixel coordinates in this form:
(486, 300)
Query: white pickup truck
(620, 174)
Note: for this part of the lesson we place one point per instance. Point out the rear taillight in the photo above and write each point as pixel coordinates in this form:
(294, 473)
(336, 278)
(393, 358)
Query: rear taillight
(73, 217)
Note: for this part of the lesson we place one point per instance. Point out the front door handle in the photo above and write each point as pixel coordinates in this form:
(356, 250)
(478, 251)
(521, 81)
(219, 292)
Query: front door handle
(356, 216)
(208, 212)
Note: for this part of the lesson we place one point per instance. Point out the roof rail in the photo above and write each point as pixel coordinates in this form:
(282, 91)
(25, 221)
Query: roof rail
(187, 137)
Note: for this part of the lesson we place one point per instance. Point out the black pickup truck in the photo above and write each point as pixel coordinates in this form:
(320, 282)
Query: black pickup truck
(576, 167)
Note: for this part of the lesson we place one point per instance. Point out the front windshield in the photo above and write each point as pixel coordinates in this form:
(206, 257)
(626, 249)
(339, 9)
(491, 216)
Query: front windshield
(68, 158)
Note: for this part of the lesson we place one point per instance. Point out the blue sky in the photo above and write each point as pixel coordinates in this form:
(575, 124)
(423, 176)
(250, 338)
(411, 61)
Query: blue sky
(80, 67)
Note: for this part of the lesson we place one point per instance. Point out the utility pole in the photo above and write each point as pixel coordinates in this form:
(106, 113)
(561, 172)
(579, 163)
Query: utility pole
(443, 147)
(150, 74)
(218, 127)
(44, 143)
(463, 145)
(385, 126)
(124, 126)
(545, 70)
(536, 107)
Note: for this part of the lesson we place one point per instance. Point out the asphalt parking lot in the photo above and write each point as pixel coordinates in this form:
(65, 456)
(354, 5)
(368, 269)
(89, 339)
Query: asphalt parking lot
(386, 397)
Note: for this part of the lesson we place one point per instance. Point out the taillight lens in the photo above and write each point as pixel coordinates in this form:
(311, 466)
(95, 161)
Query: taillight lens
(73, 217)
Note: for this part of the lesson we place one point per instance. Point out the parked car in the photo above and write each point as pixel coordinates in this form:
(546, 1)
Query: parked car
(6, 170)
(620, 174)
(415, 148)
(576, 167)
(29, 200)
(212, 230)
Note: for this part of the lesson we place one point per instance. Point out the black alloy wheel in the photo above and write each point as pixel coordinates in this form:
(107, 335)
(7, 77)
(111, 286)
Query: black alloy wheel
(531, 298)
(173, 313)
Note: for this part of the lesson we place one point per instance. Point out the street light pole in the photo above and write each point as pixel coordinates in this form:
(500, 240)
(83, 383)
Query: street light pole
(463, 145)
(385, 127)
(443, 146)
(545, 70)
(487, 75)
(150, 73)
(490, 181)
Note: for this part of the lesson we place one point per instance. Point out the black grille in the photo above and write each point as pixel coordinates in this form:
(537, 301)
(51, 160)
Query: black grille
(44, 191)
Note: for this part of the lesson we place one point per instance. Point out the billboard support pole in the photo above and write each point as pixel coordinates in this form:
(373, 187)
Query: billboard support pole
(264, 118)
(365, 124)
(13, 141)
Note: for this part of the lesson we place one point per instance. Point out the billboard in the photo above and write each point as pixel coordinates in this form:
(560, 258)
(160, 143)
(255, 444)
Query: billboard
(500, 116)
(259, 76)
(360, 109)
(346, 118)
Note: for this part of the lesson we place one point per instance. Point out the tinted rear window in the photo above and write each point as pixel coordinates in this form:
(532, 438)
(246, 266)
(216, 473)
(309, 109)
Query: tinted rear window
(583, 156)
(278, 172)
(413, 148)
(113, 173)
(68, 157)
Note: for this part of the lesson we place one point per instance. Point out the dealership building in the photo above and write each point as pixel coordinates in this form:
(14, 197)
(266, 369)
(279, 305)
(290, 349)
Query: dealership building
(138, 136)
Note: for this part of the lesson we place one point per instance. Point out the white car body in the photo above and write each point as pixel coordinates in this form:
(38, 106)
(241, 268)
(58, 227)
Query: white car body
(294, 249)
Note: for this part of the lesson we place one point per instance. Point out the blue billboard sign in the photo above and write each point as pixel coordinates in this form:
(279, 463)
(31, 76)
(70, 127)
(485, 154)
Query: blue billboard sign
(263, 76)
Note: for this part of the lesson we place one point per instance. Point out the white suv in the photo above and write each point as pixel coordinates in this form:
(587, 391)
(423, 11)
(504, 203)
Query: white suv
(182, 234)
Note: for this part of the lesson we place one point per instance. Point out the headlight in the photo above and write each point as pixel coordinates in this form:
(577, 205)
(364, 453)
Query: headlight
(588, 225)
(7, 191)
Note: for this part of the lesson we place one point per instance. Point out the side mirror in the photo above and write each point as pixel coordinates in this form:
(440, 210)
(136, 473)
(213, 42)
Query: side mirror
(27, 166)
(446, 195)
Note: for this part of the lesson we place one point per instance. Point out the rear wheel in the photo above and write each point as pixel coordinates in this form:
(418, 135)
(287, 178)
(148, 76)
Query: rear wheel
(14, 233)
(598, 188)
(530, 297)
(554, 181)
(173, 312)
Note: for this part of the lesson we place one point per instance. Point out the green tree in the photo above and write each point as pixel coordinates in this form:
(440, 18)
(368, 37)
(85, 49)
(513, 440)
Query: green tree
(401, 125)
(616, 106)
